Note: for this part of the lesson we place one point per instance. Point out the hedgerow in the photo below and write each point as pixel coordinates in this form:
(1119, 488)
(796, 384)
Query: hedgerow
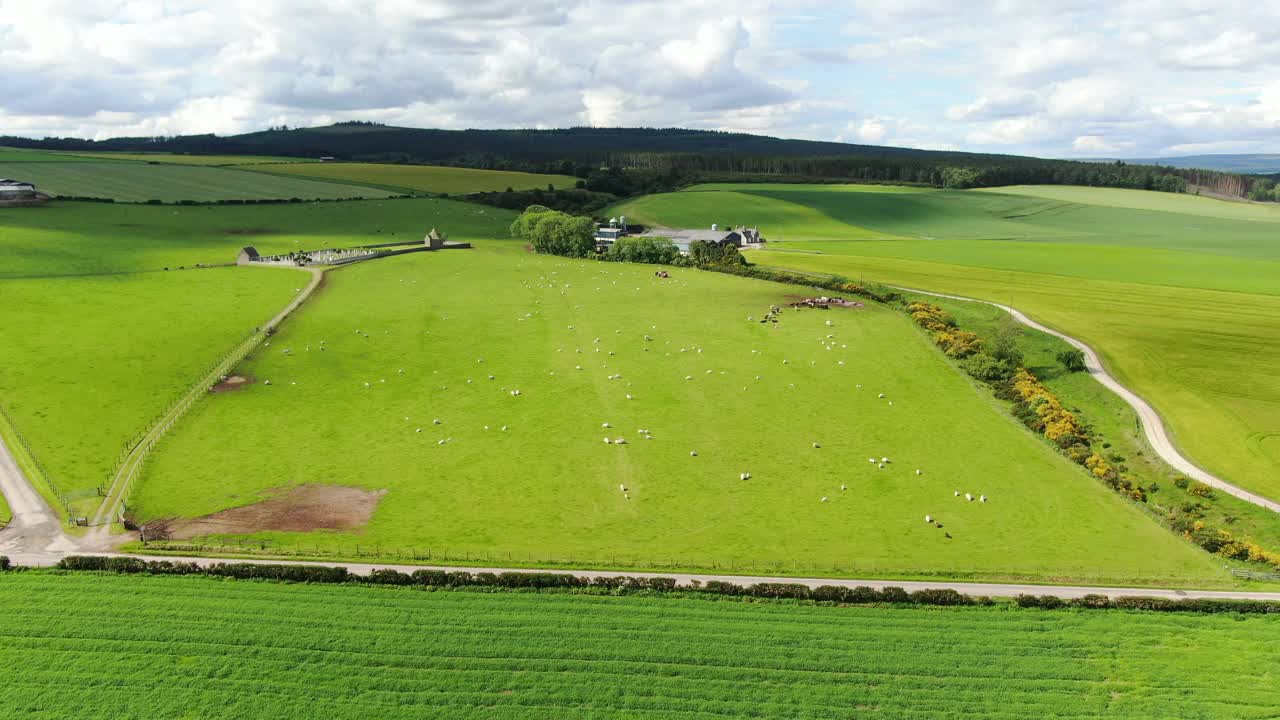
(628, 584)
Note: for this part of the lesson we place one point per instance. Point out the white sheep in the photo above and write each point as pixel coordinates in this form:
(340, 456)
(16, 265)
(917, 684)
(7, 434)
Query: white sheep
(881, 394)
(693, 453)
(928, 519)
(605, 425)
(620, 441)
(844, 487)
(824, 498)
(817, 445)
(436, 421)
(884, 460)
(982, 498)
(622, 487)
(607, 441)
(919, 471)
(968, 497)
(957, 493)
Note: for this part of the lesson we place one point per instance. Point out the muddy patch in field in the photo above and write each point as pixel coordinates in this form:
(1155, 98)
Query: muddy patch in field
(301, 509)
(234, 382)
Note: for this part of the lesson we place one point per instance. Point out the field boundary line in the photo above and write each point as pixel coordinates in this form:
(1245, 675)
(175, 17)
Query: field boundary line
(969, 588)
(1153, 426)
(122, 481)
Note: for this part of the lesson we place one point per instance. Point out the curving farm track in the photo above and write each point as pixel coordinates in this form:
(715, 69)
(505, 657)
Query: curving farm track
(1152, 424)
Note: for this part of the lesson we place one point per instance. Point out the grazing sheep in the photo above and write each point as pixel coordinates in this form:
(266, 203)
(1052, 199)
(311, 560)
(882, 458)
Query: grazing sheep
(881, 466)
(622, 487)
(620, 441)
(844, 487)
(881, 394)
(504, 427)
(982, 498)
(626, 496)
(693, 453)
(919, 471)
(628, 396)
(436, 421)
(968, 497)
(605, 425)
(419, 430)
(607, 441)
(928, 519)
(884, 459)
(957, 493)
(817, 445)
(824, 499)
(871, 460)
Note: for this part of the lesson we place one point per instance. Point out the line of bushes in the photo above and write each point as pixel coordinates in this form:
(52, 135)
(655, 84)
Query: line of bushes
(535, 580)
(1153, 604)
(624, 584)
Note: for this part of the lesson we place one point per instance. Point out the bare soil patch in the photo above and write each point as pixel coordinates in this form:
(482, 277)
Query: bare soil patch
(301, 509)
(234, 382)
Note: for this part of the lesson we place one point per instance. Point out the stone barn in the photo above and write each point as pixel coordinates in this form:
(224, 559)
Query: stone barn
(247, 255)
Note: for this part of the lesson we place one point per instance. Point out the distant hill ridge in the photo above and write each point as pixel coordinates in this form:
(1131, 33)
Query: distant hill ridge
(676, 154)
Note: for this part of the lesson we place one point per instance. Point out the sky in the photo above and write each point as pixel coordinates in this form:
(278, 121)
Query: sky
(1053, 78)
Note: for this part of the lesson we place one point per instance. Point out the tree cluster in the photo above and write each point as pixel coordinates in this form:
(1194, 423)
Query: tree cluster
(556, 233)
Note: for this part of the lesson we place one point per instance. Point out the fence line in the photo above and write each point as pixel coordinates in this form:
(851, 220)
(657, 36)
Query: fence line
(43, 475)
(127, 471)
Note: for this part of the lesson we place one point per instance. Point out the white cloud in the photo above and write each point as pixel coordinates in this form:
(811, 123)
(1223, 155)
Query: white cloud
(1049, 77)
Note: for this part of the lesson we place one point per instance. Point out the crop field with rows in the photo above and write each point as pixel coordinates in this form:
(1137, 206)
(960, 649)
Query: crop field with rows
(137, 646)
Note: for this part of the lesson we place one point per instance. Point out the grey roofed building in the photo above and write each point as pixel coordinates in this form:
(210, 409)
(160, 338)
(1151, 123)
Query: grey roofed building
(16, 188)
(738, 237)
(247, 255)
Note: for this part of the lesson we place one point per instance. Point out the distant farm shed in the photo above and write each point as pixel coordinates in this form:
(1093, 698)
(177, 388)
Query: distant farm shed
(20, 192)
(247, 255)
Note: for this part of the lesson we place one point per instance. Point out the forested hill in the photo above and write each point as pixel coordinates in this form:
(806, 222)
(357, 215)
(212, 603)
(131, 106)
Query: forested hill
(673, 155)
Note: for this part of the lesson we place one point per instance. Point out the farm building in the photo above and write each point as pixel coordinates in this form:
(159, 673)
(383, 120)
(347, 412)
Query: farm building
(19, 192)
(247, 255)
(607, 235)
(742, 237)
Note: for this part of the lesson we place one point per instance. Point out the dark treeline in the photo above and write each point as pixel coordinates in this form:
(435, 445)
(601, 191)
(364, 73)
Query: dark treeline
(610, 160)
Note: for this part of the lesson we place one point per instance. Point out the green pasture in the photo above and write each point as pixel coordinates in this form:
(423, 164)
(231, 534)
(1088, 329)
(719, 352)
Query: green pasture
(79, 238)
(169, 182)
(425, 178)
(92, 348)
(182, 159)
(22, 155)
(196, 647)
(1144, 200)
(1115, 429)
(87, 362)
(1182, 305)
(746, 397)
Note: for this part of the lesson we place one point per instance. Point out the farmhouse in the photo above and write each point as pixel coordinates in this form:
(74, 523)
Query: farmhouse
(19, 192)
(247, 255)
